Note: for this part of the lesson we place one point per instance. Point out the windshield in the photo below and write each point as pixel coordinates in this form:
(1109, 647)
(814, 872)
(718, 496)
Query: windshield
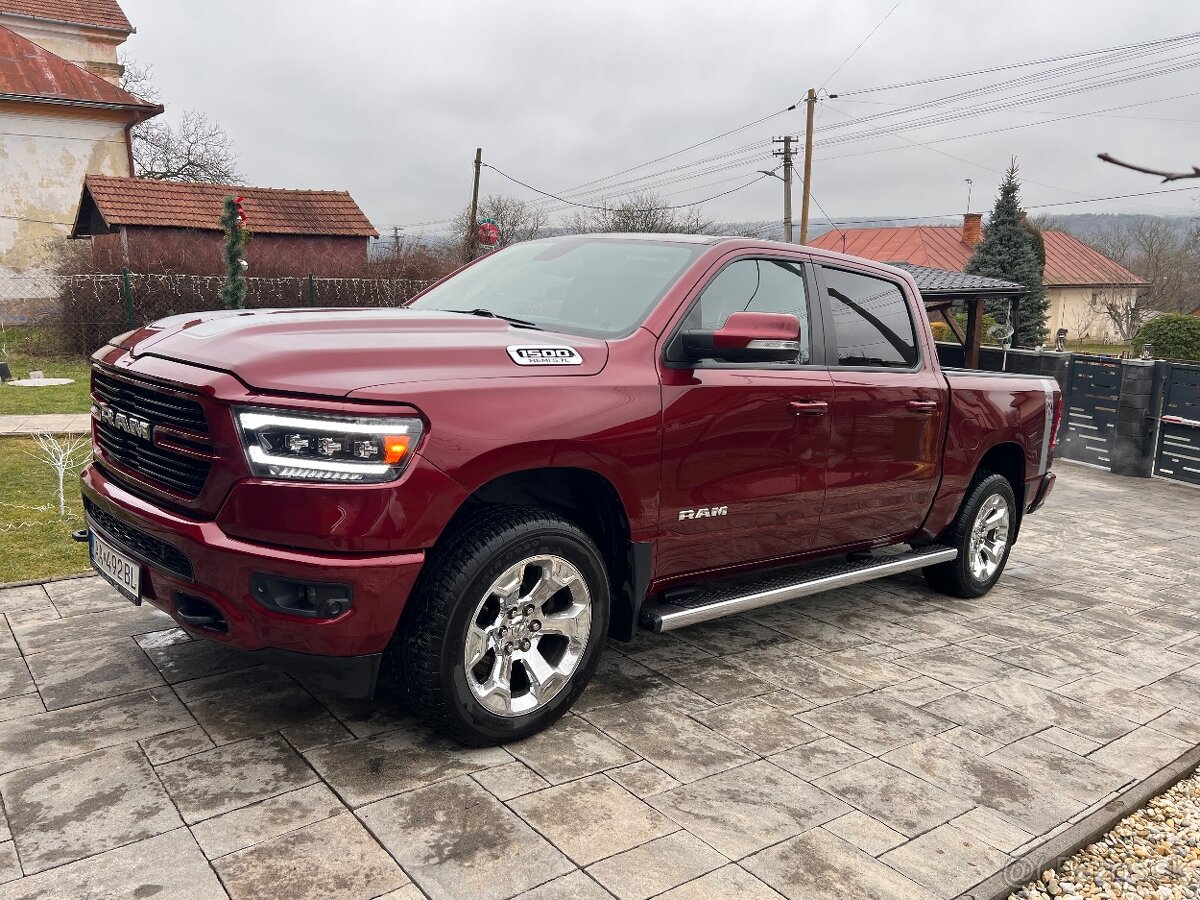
(596, 287)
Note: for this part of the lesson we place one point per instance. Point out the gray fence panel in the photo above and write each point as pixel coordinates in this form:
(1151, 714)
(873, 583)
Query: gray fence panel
(1092, 398)
(1178, 455)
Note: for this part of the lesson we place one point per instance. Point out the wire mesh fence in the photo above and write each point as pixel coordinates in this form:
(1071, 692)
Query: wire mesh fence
(78, 313)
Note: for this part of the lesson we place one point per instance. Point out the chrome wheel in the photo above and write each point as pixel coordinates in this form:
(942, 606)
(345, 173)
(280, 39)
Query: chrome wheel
(989, 538)
(527, 635)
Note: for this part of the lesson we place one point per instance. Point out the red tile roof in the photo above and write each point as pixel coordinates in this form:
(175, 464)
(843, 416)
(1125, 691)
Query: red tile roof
(30, 73)
(100, 13)
(172, 204)
(1069, 261)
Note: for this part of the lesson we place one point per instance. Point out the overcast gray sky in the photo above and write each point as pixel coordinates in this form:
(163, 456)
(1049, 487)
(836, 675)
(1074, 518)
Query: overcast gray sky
(389, 99)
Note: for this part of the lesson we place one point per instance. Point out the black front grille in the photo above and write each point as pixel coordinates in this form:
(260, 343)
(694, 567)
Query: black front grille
(180, 473)
(149, 402)
(156, 464)
(151, 549)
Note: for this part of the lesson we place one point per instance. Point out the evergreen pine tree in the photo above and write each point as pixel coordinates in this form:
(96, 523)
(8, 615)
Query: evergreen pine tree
(1008, 251)
(233, 292)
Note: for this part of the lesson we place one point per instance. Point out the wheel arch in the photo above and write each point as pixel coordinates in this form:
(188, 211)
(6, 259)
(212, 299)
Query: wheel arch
(592, 502)
(1007, 459)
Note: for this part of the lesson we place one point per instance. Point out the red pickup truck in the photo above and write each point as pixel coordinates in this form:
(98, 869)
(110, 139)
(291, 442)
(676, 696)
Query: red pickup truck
(564, 441)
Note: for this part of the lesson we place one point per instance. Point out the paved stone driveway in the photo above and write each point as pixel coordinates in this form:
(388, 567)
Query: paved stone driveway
(877, 742)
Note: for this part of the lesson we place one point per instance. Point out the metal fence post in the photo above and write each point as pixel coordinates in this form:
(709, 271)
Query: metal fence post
(128, 294)
(312, 290)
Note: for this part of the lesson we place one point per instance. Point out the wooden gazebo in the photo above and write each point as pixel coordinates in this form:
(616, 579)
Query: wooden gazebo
(942, 289)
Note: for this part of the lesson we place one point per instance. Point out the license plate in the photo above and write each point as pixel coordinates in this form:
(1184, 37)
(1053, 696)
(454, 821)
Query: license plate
(117, 569)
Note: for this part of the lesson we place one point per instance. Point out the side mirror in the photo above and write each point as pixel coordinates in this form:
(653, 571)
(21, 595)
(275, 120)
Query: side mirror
(746, 337)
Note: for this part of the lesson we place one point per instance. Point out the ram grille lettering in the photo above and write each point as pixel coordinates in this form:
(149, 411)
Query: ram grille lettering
(125, 422)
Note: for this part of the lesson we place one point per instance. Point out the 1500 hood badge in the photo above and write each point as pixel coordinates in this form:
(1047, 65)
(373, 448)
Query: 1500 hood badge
(545, 356)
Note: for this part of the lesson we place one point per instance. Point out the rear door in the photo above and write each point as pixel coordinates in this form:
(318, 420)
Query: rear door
(888, 411)
(744, 445)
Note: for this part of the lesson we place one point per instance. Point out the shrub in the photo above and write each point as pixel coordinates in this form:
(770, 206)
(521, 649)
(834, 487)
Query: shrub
(942, 332)
(1172, 336)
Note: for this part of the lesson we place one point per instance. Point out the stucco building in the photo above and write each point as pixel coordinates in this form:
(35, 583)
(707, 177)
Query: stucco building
(62, 117)
(1078, 278)
(174, 227)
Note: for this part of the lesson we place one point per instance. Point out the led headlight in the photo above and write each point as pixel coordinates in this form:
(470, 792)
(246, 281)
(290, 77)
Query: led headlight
(300, 447)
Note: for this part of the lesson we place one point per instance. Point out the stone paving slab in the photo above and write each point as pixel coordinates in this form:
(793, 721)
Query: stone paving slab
(68, 423)
(881, 741)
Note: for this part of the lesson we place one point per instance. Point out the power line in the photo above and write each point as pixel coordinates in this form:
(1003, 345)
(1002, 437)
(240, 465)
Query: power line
(1010, 66)
(38, 221)
(580, 195)
(1008, 103)
(1055, 89)
(877, 219)
(593, 206)
(1109, 57)
(651, 162)
(860, 44)
(1024, 97)
(988, 131)
(1056, 112)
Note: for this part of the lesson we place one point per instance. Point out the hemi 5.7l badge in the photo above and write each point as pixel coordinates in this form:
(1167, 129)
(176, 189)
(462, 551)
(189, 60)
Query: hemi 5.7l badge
(545, 356)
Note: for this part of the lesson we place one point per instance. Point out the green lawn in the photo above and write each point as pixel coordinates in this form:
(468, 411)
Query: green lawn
(36, 543)
(24, 356)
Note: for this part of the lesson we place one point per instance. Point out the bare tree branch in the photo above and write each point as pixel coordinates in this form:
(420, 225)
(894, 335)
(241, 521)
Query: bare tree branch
(138, 79)
(642, 212)
(194, 149)
(1166, 176)
(518, 220)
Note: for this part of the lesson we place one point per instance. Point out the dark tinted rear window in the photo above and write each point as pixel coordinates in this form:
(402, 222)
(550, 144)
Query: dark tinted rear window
(871, 322)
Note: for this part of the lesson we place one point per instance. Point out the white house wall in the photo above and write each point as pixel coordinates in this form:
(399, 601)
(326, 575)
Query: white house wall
(43, 161)
(1073, 308)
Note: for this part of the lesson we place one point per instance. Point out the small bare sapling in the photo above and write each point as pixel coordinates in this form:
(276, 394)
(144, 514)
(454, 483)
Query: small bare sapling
(63, 453)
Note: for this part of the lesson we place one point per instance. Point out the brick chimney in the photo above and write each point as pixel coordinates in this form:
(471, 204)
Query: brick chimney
(972, 229)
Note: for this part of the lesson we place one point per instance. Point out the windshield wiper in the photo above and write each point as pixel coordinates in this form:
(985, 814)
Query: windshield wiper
(488, 314)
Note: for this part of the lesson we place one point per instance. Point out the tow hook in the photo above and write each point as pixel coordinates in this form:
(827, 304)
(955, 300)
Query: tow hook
(80, 536)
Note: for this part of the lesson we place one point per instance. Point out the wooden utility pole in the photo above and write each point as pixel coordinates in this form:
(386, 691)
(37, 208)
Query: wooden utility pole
(811, 102)
(472, 238)
(786, 153)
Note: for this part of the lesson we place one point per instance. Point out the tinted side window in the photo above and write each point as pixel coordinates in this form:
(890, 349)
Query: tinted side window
(871, 322)
(755, 285)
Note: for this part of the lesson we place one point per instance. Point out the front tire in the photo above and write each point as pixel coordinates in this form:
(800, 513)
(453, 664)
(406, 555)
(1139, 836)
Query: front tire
(983, 533)
(505, 628)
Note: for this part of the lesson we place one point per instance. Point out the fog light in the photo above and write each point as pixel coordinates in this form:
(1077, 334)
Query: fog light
(315, 599)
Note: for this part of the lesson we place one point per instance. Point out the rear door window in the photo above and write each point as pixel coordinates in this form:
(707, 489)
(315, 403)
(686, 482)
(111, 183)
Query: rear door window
(871, 321)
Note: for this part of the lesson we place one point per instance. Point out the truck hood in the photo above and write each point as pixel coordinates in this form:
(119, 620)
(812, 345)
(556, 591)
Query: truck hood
(332, 352)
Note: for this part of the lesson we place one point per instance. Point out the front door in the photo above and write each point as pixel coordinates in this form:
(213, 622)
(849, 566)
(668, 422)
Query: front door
(745, 446)
(888, 413)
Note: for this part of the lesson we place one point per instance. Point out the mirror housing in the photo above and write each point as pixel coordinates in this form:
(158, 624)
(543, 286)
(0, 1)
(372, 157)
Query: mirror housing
(746, 337)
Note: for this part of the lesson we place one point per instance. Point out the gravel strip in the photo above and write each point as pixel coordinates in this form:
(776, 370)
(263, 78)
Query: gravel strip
(1155, 852)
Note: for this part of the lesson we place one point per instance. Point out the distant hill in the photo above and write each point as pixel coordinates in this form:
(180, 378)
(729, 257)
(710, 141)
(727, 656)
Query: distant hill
(1084, 226)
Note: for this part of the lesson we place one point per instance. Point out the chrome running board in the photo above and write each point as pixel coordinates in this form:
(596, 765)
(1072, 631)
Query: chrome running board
(729, 596)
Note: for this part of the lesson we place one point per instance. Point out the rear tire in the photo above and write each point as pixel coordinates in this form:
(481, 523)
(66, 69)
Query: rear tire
(505, 627)
(983, 533)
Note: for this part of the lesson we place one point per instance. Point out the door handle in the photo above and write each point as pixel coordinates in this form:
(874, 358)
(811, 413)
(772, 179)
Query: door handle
(808, 407)
(921, 406)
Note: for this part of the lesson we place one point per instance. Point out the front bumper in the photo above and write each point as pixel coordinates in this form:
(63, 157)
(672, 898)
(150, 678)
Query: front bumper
(342, 652)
